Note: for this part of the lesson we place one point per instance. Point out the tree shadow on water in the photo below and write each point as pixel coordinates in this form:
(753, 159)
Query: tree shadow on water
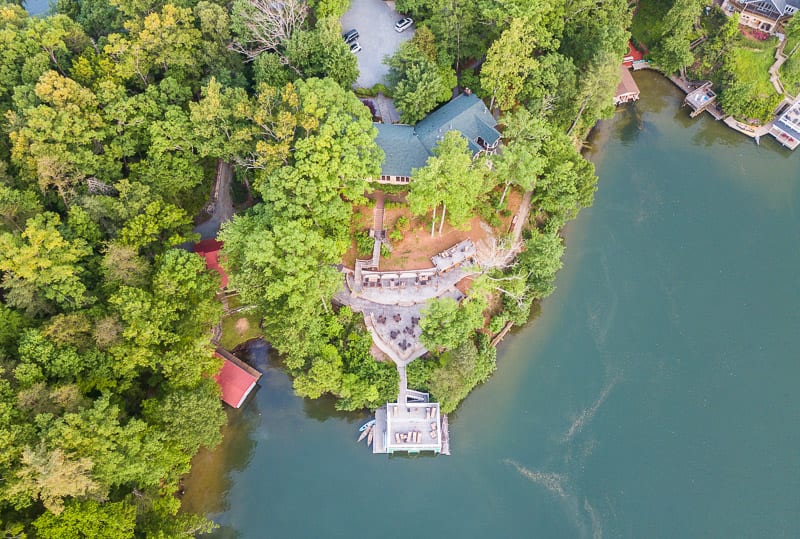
(629, 124)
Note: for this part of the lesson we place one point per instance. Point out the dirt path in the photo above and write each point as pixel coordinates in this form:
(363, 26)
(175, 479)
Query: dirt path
(521, 219)
(221, 199)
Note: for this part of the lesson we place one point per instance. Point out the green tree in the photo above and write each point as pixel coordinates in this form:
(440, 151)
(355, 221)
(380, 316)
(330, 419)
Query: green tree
(521, 160)
(89, 520)
(672, 52)
(163, 42)
(418, 81)
(451, 178)
(540, 260)
(508, 62)
(51, 476)
(446, 324)
(318, 148)
(275, 263)
(42, 269)
(459, 371)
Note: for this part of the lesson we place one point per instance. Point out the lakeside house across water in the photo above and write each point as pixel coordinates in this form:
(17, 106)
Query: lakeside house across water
(762, 15)
(786, 129)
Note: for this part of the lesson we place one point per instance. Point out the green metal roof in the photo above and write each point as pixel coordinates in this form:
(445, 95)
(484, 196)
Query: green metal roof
(466, 114)
(408, 147)
(403, 149)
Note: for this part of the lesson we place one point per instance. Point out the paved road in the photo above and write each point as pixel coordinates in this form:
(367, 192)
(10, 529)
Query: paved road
(374, 21)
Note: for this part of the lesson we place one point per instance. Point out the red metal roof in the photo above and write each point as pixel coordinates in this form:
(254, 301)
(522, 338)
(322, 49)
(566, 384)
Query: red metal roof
(209, 249)
(633, 55)
(236, 383)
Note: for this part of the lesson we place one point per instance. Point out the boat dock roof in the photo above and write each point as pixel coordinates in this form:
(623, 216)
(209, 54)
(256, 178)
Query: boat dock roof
(413, 427)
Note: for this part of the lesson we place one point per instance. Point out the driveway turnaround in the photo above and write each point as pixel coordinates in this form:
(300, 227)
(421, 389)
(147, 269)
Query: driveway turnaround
(374, 20)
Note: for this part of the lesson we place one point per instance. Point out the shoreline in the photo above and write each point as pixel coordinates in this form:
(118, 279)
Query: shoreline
(753, 132)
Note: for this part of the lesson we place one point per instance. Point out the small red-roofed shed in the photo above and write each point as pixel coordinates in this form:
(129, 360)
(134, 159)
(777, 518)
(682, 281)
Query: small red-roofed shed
(236, 378)
(634, 55)
(209, 249)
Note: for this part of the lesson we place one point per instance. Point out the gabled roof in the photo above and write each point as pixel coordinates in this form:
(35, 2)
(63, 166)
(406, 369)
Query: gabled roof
(209, 249)
(626, 83)
(779, 6)
(235, 378)
(466, 114)
(408, 147)
(403, 149)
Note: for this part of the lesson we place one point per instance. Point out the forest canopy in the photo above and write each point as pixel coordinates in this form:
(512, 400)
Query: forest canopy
(114, 115)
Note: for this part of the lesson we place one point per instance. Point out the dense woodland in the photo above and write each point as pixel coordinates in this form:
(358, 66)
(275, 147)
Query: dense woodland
(114, 115)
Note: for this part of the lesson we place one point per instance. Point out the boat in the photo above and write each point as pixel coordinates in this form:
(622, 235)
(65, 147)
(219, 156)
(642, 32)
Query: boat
(366, 425)
(363, 435)
(371, 434)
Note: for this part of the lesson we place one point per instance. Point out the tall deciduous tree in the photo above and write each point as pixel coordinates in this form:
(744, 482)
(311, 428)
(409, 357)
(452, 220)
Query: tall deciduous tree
(419, 80)
(521, 160)
(446, 324)
(285, 267)
(508, 63)
(317, 150)
(265, 26)
(451, 179)
(42, 268)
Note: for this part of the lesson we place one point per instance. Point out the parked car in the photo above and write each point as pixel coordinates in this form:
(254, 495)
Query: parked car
(402, 24)
(350, 36)
(355, 47)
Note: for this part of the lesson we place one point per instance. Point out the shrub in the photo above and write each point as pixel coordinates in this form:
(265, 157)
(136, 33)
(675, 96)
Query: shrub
(364, 243)
(395, 235)
(402, 223)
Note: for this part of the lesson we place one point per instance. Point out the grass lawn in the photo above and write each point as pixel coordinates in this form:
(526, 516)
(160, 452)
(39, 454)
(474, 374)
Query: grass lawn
(238, 328)
(751, 66)
(790, 74)
(790, 70)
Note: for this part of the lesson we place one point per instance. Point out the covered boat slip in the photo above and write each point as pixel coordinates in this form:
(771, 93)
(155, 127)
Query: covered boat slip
(412, 427)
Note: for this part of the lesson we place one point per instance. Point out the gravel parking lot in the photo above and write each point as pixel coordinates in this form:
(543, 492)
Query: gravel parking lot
(374, 20)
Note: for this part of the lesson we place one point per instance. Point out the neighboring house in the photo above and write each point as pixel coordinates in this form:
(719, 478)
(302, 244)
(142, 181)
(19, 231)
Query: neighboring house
(786, 129)
(627, 90)
(408, 147)
(764, 14)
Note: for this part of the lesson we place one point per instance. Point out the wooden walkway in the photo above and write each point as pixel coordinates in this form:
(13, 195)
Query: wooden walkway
(445, 436)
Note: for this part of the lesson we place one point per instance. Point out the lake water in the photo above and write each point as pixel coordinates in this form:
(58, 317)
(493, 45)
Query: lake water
(655, 396)
(37, 7)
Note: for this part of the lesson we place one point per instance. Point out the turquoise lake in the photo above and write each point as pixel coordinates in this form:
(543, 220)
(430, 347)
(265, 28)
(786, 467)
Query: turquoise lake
(656, 395)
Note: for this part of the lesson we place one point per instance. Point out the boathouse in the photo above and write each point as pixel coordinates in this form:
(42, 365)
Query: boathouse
(627, 90)
(411, 427)
(786, 128)
(236, 378)
(407, 147)
(210, 251)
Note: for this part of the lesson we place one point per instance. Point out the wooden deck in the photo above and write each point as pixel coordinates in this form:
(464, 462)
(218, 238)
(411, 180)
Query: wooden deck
(445, 436)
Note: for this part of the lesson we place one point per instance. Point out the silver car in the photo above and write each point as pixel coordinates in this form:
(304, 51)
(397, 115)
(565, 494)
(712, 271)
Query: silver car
(402, 24)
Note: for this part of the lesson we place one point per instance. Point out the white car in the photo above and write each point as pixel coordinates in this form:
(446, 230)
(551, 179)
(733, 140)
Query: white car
(355, 47)
(402, 24)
